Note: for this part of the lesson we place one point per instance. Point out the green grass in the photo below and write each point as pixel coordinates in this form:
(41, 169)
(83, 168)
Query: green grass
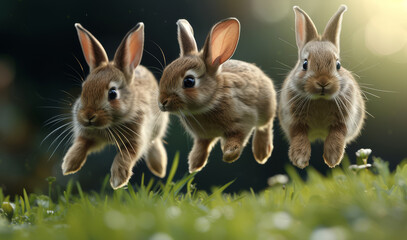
(369, 204)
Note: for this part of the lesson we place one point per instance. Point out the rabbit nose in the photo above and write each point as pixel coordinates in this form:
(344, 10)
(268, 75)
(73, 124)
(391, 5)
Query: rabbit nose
(322, 85)
(162, 105)
(92, 118)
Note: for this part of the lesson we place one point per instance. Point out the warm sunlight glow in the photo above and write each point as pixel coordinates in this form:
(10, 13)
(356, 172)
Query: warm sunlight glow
(384, 37)
(386, 31)
(270, 11)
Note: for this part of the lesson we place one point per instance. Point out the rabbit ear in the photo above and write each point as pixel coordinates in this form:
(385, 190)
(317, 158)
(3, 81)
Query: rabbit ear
(128, 54)
(333, 28)
(305, 29)
(186, 38)
(221, 42)
(91, 47)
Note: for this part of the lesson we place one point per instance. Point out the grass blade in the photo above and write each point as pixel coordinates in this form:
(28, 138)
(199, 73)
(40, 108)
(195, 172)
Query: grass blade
(27, 202)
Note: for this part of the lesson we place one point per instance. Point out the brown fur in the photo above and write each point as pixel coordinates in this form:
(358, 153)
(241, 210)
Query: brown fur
(232, 98)
(132, 122)
(321, 102)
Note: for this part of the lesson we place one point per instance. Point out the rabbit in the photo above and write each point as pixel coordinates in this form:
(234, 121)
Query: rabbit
(320, 99)
(118, 105)
(217, 98)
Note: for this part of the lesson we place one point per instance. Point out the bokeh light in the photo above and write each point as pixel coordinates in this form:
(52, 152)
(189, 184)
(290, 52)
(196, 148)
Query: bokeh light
(386, 30)
(384, 37)
(271, 11)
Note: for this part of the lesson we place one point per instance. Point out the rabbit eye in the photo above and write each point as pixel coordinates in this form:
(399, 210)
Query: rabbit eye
(338, 64)
(305, 65)
(112, 94)
(189, 82)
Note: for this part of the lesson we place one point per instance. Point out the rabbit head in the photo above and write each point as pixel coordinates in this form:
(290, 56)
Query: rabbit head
(190, 83)
(106, 96)
(318, 73)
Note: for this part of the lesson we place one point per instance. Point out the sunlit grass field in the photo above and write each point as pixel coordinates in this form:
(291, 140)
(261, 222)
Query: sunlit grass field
(367, 204)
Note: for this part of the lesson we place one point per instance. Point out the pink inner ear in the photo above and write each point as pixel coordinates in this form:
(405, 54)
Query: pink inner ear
(135, 45)
(86, 47)
(224, 40)
(301, 28)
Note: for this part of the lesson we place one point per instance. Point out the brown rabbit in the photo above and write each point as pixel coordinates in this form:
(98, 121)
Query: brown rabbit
(118, 105)
(218, 98)
(320, 100)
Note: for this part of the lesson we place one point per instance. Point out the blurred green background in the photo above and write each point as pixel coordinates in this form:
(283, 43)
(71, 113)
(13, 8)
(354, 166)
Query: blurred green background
(39, 47)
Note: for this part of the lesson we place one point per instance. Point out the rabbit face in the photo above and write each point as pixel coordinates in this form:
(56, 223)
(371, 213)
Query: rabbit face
(188, 88)
(104, 98)
(318, 72)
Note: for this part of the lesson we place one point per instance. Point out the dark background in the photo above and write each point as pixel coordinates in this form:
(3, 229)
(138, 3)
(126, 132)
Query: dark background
(39, 47)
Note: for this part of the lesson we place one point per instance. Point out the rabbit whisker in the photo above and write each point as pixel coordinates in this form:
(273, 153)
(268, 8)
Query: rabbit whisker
(156, 118)
(358, 65)
(287, 42)
(346, 110)
(80, 65)
(69, 128)
(196, 120)
(374, 95)
(57, 116)
(365, 84)
(379, 90)
(64, 125)
(70, 96)
(368, 68)
(185, 119)
(73, 77)
(54, 107)
(61, 141)
(280, 68)
(162, 53)
(115, 131)
(299, 107)
(162, 66)
(56, 121)
(286, 65)
(128, 141)
(350, 103)
(115, 141)
(80, 76)
(156, 68)
(340, 110)
(131, 130)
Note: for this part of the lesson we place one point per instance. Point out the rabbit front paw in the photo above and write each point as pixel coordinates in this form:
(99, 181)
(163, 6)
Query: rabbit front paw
(120, 175)
(231, 152)
(333, 156)
(300, 155)
(74, 160)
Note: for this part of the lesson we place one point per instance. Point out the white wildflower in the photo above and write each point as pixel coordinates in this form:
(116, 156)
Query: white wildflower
(278, 179)
(363, 153)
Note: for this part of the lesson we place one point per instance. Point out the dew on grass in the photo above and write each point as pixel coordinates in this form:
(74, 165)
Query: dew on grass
(202, 224)
(114, 219)
(173, 212)
(277, 220)
(161, 236)
(214, 214)
(332, 233)
(228, 212)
